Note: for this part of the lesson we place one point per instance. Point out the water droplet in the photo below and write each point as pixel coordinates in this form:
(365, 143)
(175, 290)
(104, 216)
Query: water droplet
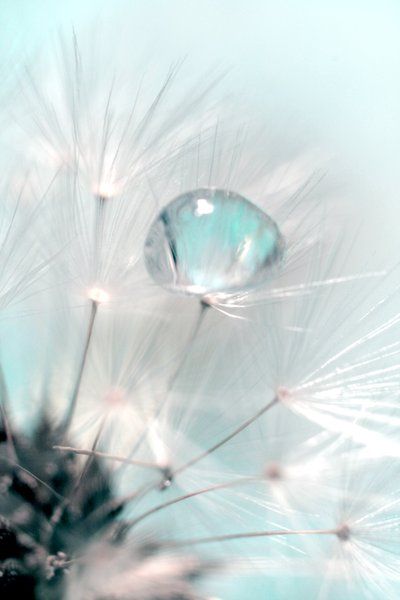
(211, 241)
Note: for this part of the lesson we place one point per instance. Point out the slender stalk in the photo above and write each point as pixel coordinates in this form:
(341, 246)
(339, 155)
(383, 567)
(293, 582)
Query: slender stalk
(200, 318)
(186, 351)
(249, 535)
(60, 509)
(97, 241)
(145, 490)
(97, 454)
(229, 437)
(72, 406)
(202, 492)
(90, 458)
(19, 467)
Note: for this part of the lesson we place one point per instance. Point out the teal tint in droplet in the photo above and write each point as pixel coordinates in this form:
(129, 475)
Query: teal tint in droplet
(212, 241)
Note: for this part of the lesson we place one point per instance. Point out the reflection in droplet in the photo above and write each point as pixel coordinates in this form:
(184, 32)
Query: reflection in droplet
(211, 241)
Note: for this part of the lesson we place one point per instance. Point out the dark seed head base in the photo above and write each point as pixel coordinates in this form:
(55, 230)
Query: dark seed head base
(49, 514)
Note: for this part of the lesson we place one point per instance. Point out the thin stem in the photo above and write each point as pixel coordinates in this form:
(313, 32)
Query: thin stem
(90, 458)
(60, 509)
(203, 491)
(186, 351)
(19, 467)
(97, 454)
(200, 318)
(249, 535)
(229, 437)
(97, 241)
(72, 406)
(173, 472)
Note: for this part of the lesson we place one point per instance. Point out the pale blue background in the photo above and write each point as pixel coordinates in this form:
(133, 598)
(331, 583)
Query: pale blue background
(328, 68)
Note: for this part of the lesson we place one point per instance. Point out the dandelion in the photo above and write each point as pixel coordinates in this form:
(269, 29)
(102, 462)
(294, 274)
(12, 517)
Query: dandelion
(197, 389)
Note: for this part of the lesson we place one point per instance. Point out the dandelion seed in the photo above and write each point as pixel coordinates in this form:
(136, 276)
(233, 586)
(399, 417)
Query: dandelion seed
(98, 295)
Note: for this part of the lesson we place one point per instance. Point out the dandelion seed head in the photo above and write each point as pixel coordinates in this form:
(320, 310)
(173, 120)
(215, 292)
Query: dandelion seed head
(273, 472)
(186, 433)
(115, 398)
(343, 533)
(109, 187)
(284, 394)
(98, 295)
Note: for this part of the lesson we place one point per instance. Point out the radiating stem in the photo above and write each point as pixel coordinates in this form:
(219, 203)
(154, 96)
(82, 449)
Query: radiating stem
(249, 535)
(203, 491)
(186, 351)
(200, 318)
(97, 454)
(205, 453)
(19, 467)
(72, 406)
(229, 437)
(59, 511)
(97, 241)
(90, 458)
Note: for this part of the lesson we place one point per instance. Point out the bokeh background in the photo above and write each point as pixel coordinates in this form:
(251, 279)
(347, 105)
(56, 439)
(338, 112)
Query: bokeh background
(325, 72)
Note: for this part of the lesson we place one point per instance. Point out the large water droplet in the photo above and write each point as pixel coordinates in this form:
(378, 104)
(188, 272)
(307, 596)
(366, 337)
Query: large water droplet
(212, 241)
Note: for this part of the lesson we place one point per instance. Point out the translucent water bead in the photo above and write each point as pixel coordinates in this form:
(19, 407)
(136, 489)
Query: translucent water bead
(212, 241)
